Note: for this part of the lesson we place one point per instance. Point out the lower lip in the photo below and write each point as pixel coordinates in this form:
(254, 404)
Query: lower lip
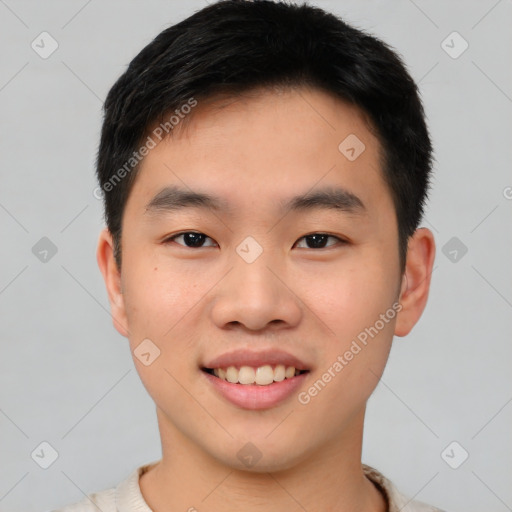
(254, 396)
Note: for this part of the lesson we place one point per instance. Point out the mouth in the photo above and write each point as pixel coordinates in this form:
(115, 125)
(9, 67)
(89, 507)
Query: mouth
(264, 375)
(256, 380)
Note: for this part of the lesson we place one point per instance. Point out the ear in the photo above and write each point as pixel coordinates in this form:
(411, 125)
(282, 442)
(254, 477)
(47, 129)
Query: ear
(112, 278)
(416, 280)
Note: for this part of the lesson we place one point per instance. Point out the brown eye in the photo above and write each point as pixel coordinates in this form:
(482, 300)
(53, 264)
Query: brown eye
(191, 239)
(319, 241)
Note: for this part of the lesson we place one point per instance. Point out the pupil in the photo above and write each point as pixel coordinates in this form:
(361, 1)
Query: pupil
(318, 240)
(195, 239)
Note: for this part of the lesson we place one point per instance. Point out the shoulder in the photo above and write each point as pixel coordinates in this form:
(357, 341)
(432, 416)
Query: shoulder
(397, 502)
(126, 497)
(405, 504)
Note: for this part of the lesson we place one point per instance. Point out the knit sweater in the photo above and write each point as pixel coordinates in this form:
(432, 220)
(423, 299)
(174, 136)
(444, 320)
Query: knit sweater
(127, 496)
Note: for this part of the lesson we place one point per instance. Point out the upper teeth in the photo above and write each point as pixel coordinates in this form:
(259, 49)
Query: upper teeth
(262, 375)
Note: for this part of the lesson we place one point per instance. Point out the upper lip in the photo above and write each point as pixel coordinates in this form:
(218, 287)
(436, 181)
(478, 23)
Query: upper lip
(255, 359)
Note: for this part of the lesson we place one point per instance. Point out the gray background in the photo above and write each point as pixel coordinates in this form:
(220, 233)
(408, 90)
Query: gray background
(67, 376)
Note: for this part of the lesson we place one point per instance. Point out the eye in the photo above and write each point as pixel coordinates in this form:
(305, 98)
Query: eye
(191, 239)
(319, 240)
(194, 239)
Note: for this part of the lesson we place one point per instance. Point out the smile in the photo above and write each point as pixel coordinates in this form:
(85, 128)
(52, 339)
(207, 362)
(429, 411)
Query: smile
(262, 375)
(250, 395)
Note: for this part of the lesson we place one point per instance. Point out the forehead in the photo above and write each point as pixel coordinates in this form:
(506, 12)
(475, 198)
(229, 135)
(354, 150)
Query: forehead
(266, 146)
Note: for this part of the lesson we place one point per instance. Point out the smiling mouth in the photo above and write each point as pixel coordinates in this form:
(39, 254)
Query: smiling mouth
(261, 375)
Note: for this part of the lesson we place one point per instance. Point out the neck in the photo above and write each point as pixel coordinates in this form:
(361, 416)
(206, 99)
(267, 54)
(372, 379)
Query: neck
(329, 479)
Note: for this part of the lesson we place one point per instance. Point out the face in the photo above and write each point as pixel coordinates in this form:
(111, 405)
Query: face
(292, 261)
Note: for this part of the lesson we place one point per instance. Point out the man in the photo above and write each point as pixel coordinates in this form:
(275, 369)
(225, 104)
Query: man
(264, 168)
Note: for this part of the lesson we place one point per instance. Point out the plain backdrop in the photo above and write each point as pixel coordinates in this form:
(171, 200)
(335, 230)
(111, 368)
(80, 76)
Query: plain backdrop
(67, 377)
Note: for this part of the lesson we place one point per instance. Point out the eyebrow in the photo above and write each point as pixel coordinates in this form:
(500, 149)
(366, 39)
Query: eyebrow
(174, 198)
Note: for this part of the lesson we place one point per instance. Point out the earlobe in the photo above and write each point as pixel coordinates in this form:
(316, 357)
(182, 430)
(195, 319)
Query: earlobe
(112, 278)
(416, 280)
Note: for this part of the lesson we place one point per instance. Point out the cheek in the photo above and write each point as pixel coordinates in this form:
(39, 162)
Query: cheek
(356, 303)
(158, 303)
(157, 298)
(358, 308)
(351, 297)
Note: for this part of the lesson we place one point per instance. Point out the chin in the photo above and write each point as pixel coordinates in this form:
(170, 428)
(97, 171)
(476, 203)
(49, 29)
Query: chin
(255, 457)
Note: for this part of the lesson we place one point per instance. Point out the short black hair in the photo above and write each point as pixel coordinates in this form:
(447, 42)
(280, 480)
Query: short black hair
(237, 46)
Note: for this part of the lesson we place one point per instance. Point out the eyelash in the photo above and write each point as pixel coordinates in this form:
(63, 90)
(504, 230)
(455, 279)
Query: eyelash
(177, 235)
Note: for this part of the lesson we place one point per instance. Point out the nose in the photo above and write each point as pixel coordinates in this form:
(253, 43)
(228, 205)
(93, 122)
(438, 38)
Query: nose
(256, 296)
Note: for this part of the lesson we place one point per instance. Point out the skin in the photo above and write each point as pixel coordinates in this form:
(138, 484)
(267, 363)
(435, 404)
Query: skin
(197, 303)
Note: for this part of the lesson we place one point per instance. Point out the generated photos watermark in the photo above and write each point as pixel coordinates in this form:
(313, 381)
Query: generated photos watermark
(158, 134)
(357, 345)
